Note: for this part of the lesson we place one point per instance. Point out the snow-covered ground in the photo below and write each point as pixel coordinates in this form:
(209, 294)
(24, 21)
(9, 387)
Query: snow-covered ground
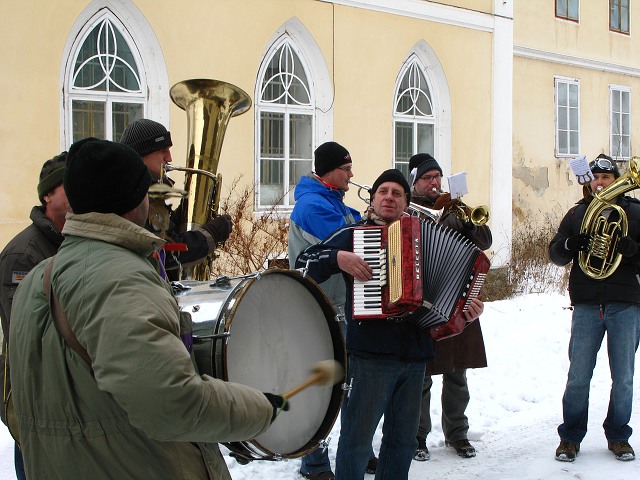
(514, 411)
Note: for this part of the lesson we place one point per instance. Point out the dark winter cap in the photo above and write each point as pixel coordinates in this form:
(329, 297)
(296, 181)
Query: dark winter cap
(51, 175)
(392, 175)
(420, 164)
(104, 177)
(604, 164)
(146, 136)
(330, 155)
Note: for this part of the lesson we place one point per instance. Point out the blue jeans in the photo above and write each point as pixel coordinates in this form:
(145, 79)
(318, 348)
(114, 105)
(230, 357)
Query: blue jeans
(621, 321)
(380, 386)
(19, 463)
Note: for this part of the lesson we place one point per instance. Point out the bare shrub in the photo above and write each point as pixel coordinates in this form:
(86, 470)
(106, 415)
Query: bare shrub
(255, 239)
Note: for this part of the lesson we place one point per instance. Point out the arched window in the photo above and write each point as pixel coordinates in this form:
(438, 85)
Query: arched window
(414, 121)
(285, 115)
(105, 88)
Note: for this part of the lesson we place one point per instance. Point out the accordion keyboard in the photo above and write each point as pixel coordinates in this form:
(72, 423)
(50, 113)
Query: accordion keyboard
(367, 295)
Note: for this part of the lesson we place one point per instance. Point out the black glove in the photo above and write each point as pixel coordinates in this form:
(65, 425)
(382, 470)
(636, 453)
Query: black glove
(627, 246)
(219, 227)
(279, 403)
(577, 243)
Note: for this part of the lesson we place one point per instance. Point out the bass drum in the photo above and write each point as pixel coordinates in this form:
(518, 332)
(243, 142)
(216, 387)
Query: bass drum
(267, 330)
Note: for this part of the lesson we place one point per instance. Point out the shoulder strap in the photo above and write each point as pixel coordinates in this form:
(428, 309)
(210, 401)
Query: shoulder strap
(59, 318)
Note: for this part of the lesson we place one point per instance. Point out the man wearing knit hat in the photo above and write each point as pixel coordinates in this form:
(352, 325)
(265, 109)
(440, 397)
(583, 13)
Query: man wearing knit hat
(319, 210)
(38, 241)
(454, 355)
(387, 356)
(152, 141)
(108, 359)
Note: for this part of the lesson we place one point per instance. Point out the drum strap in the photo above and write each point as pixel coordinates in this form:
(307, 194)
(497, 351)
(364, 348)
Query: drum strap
(59, 318)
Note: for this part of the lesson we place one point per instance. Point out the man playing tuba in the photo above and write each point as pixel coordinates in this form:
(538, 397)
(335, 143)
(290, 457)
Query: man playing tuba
(152, 142)
(607, 303)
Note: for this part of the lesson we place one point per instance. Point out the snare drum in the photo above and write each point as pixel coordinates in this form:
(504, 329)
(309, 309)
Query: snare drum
(267, 330)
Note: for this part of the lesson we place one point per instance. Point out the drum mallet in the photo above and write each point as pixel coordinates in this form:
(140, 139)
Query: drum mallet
(326, 372)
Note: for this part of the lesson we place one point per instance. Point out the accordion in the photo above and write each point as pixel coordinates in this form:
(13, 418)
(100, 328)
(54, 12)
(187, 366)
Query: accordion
(418, 264)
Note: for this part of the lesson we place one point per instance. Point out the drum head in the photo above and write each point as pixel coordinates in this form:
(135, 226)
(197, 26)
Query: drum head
(280, 326)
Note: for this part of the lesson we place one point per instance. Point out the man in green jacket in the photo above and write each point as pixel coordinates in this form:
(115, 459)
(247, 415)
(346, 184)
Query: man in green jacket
(138, 410)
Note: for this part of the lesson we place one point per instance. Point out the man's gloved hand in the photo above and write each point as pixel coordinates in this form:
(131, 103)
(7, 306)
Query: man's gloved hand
(219, 227)
(577, 243)
(279, 403)
(627, 246)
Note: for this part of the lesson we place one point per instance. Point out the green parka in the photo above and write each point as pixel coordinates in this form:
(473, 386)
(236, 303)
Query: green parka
(140, 411)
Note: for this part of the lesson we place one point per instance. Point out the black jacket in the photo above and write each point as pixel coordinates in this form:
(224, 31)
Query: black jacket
(624, 284)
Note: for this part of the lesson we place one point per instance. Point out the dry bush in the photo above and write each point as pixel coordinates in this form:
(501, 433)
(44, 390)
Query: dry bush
(256, 238)
(529, 269)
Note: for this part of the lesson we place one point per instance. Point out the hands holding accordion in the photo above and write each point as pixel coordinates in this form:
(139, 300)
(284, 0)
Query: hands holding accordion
(354, 265)
(476, 307)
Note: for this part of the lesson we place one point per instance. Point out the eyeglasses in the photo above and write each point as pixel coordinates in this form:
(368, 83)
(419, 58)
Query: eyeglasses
(345, 169)
(603, 163)
(428, 178)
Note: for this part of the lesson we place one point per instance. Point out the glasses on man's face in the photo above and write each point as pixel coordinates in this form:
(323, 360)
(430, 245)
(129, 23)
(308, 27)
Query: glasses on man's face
(603, 163)
(345, 169)
(428, 178)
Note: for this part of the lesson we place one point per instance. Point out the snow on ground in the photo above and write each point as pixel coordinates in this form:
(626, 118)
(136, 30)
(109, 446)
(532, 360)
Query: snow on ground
(514, 411)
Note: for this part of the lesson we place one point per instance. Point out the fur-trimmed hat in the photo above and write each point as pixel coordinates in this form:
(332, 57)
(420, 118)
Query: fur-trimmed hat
(104, 177)
(420, 164)
(392, 175)
(330, 155)
(51, 175)
(146, 136)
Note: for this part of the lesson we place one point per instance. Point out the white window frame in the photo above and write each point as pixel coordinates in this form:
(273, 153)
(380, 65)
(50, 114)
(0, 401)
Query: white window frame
(619, 90)
(572, 150)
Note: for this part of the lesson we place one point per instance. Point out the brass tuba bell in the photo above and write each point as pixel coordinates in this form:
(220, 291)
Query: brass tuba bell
(209, 105)
(601, 259)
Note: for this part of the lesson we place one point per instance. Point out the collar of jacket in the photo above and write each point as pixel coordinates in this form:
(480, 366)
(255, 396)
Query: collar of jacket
(112, 228)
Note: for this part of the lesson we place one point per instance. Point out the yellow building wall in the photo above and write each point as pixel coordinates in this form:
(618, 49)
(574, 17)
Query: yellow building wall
(226, 40)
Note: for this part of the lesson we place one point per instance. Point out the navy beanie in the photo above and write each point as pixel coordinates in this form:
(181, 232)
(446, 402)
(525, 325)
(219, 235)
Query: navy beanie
(392, 175)
(330, 155)
(104, 177)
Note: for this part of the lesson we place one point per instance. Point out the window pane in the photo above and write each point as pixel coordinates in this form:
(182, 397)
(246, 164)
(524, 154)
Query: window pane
(573, 119)
(625, 124)
(562, 94)
(300, 136)
(615, 100)
(285, 80)
(573, 95)
(88, 119)
(297, 169)
(122, 114)
(272, 134)
(561, 8)
(625, 102)
(573, 9)
(573, 141)
(271, 180)
(425, 138)
(404, 141)
(562, 118)
(563, 138)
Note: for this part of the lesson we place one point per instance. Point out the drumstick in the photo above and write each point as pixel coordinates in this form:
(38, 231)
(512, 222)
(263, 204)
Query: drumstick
(326, 372)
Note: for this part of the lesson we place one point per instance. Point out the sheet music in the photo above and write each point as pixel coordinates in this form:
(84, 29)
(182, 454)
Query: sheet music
(580, 168)
(458, 184)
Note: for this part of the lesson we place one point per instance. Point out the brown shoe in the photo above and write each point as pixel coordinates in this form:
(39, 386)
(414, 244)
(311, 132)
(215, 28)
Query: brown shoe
(463, 448)
(567, 451)
(622, 450)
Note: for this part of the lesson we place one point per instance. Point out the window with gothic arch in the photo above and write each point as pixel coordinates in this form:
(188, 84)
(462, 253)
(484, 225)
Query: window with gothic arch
(285, 112)
(104, 88)
(414, 121)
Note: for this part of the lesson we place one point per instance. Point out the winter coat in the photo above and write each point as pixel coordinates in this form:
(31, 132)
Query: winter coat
(319, 210)
(465, 350)
(401, 340)
(140, 410)
(624, 284)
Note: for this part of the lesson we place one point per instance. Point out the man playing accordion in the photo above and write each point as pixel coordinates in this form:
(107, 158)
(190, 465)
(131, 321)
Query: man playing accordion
(387, 356)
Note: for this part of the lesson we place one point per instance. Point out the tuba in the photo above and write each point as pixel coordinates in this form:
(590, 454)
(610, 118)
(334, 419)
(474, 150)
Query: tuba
(209, 105)
(601, 259)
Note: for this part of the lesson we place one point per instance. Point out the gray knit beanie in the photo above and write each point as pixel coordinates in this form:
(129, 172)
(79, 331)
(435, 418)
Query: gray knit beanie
(146, 136)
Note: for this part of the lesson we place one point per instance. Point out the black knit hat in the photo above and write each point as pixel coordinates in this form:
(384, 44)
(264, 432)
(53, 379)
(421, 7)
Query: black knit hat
(330, 155)
(51, 175)
(421, 163)
(146, 136)
(392, 175)
(607, 165)
(104, 177)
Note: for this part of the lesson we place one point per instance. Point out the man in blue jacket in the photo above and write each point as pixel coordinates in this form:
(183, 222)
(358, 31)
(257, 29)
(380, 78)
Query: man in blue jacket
(319, 210)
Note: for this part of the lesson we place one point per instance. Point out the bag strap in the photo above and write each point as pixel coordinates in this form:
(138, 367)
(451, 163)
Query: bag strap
(59, 318)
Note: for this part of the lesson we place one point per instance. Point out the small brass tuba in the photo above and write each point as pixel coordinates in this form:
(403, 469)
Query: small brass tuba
(209, 105)
(601, 259)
